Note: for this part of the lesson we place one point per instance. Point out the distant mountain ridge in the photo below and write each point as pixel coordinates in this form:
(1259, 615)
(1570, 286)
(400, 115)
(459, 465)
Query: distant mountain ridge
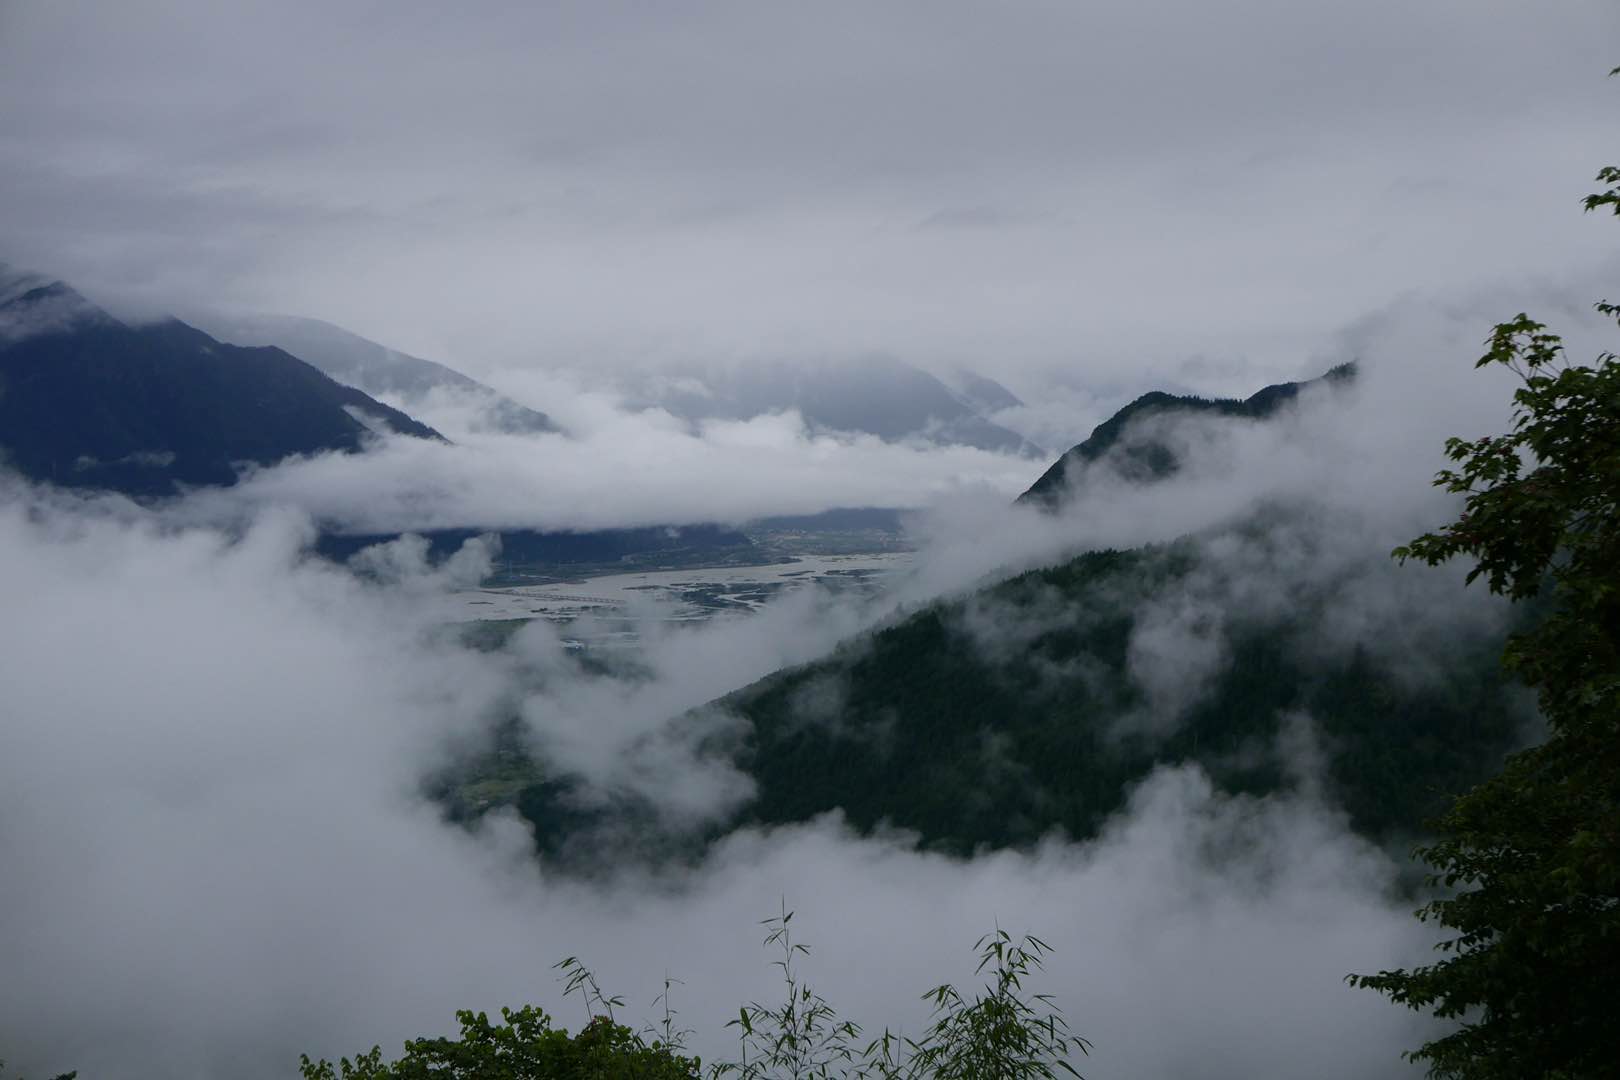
(1152, 460)
(373, 368)
(982, 393)
(876, 395)
(89, 401)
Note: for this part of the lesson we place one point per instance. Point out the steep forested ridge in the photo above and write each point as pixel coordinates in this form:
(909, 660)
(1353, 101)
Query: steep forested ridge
(1152, 459)
(931, 725)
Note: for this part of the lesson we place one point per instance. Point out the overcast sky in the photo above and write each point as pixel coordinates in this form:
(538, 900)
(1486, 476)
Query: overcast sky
(1198, 191)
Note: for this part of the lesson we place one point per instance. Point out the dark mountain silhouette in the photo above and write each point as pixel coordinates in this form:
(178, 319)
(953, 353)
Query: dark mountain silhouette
(1149, 459)
(89, 401)
(376, 369)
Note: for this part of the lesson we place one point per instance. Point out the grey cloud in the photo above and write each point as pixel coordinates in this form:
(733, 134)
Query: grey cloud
(985, 216)
(607, 183)
(1372, 452)
(224, 860)
(1176, 649)
(636, 469)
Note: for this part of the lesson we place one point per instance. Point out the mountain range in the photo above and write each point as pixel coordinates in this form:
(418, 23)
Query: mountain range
(376, 369)
(150, 409)
(87, 400)
(873, 395)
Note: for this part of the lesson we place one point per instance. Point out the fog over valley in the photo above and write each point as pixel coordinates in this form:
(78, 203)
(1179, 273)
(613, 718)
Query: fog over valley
(580, 480)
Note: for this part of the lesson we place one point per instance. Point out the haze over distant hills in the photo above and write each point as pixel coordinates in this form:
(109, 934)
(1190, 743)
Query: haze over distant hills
(151, 409)
(376, 369)
(983, 393)
(89, 401)
(874, 395)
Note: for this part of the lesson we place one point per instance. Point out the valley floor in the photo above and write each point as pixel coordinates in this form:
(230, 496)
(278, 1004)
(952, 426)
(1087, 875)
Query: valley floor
(684, 595)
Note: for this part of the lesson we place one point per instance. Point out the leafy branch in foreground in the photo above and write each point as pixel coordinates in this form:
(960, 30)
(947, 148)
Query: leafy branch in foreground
(579, 979)
(1531, 857)
(1000, 1033)
(801, 1037)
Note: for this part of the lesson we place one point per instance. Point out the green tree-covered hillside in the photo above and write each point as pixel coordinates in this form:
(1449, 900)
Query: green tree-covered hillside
(1035, 704)
(993, 719)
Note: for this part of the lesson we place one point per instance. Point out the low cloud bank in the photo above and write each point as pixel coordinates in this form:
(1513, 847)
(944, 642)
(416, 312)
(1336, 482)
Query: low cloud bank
(217, 856)
(633, 469)
(1370, 450)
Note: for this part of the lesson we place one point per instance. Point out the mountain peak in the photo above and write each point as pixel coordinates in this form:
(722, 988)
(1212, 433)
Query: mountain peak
(376, 369)
(1153, 460)
(15, 281)
(148, 409)
(31, 304)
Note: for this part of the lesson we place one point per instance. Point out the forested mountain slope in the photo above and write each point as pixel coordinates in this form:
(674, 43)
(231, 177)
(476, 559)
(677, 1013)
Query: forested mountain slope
(1032, 705)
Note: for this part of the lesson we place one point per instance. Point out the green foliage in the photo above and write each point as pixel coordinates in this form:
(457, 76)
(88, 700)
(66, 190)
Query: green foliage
(940, 730)
(1531, 973)
(579, 979)
(1002, 1033)
(524, 1046)
(801, 1037)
